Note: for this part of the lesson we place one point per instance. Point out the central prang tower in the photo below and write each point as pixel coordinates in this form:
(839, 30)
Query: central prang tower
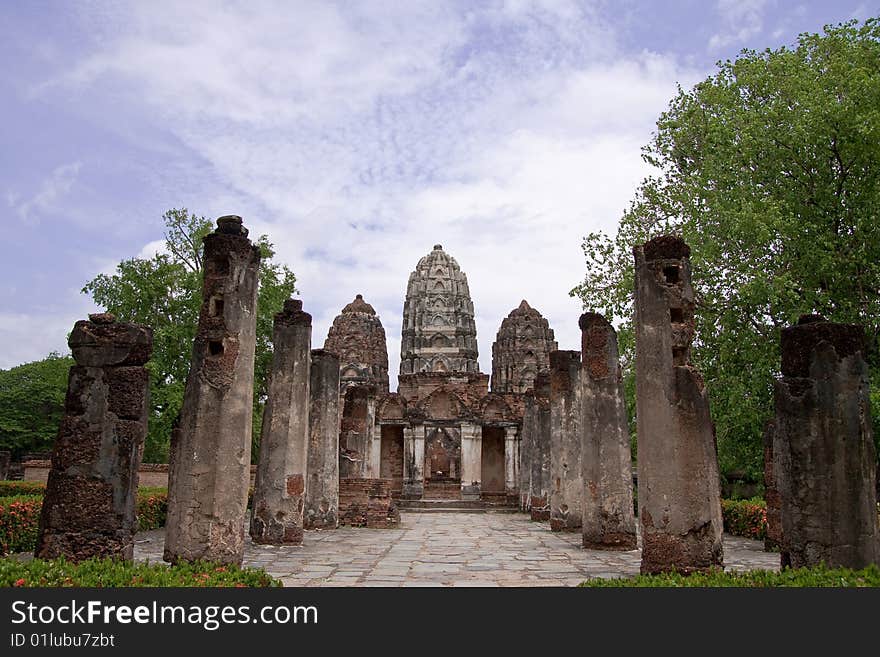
(439, 334)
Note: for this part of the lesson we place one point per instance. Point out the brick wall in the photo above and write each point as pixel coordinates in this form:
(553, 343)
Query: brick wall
(367, 503)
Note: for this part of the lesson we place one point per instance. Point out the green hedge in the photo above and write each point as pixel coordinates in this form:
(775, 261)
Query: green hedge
(746, 518)
(116, 573)
(808, 577)
(12, 488)
(20, 517)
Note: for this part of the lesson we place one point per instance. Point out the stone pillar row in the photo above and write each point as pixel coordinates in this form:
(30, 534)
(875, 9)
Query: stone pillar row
(574, 461)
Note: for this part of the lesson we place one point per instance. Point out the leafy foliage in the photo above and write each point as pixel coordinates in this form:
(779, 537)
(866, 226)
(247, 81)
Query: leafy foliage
(165, 292)
(746, 518)
(19, 522)
(819, 576)
(770, 170)
(116, 573)
(32, 403)
(20, 513)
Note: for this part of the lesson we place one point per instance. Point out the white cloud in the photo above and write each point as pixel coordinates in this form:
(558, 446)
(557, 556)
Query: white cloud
(51, 190)
(741, 20)
(358, 139)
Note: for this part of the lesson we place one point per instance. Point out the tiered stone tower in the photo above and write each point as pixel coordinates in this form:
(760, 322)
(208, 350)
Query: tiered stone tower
(358, 338)
(439, 334)
(521, 350)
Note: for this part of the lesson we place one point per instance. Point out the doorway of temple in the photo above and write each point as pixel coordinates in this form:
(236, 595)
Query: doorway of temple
(492, 462)
(391, 458)
(443, 463)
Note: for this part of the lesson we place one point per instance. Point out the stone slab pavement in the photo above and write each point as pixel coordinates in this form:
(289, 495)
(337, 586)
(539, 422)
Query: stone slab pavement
(451, 549)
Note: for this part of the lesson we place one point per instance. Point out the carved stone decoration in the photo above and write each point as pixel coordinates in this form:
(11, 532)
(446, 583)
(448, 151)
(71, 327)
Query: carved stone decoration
(439, 334)
(358, 338)
(521, 350)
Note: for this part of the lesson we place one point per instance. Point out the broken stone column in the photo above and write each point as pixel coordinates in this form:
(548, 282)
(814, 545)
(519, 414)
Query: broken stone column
(525, 451)
(322, 486)
(609, 522)
(566, 477)
(679, 486)
(357, 428)
(210, 456)
(823, 448)
(773, 539)
(279, 488)
(89, 505)
(538, 409)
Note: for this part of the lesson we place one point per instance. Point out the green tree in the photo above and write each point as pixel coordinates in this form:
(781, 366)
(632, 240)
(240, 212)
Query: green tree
(32, 403)
(165, 292)
(770, 170)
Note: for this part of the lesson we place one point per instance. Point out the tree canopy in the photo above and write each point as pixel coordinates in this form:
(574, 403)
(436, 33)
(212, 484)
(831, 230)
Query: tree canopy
(165, 292)
(770, 171)
(32, 403)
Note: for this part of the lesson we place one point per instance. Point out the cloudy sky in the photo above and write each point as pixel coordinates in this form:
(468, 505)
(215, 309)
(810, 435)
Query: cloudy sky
(355, 134)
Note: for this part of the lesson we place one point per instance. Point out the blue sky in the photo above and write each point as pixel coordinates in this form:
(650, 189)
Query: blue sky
(356, 135)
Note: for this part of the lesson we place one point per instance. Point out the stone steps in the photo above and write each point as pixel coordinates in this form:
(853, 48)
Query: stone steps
(454, 506)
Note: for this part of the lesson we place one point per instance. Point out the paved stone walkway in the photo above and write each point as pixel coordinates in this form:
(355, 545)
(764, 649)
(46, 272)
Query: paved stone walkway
(451, 549)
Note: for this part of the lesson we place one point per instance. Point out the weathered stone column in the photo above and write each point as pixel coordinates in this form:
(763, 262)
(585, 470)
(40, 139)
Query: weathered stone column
(824, 456)
(526, 449)
(209, 466)
(539, 490)
(89, 505)
(773, 540)
(567, 487)
(511, 461)
(471, 461)
(279, 488)
(413, 461)
(356, 433)
(679, 487)
(322, 486)
(609, 522)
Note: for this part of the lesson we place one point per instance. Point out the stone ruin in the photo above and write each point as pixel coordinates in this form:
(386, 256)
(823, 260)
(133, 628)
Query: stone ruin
(209, 463)
(358, 339)
(608, 517)
(535, 450)
(89, 505)
(566, 474)
(338, 448)
(521, 350)
(279, 489)
(679, 486)
(322, 467)
(823, 460)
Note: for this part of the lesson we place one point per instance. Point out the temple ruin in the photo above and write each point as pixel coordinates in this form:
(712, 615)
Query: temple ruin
(89, 506)
(521, 350)
(442, 435)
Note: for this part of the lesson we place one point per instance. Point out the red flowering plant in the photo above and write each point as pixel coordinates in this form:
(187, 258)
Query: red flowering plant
(746, 518)
(19, 522)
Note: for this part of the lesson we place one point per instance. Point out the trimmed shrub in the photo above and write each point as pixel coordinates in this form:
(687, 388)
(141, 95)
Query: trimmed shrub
(19, 522)
(13, 488)
(117, 573)
(798, 577)
(746, 518)
(20, 517)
